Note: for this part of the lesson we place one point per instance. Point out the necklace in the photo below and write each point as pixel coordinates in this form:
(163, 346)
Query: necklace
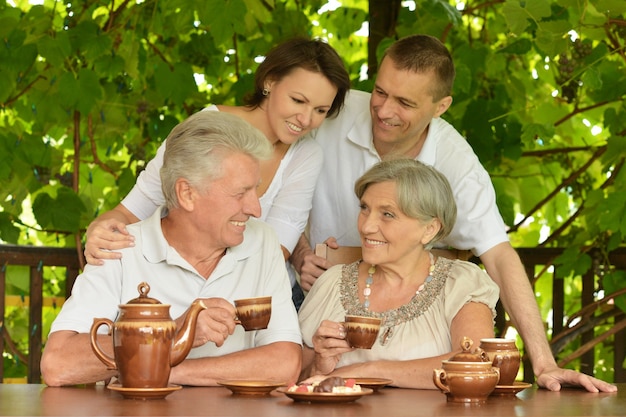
(367, 291)
(351, 296)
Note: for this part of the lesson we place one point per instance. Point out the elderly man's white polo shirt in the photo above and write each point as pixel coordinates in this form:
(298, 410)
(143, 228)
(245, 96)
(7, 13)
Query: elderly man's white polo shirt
(256, 267)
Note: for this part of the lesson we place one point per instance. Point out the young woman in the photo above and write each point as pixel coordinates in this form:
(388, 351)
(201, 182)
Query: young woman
(300, 83)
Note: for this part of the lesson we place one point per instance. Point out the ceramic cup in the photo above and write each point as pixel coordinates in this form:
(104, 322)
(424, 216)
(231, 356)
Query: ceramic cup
(361, 332)
(466, 382)
(504, 355)
(254, 313)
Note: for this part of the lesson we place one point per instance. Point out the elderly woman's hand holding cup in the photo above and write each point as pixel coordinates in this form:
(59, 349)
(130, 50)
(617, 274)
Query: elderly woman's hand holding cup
(361, 332)
(333, 339)
(329, 343)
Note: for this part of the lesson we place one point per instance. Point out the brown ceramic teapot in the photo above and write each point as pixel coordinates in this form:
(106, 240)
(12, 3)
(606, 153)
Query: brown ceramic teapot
(145, 341)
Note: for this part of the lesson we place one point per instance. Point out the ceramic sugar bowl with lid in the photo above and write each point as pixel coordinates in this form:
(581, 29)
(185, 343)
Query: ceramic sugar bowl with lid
(467, 377)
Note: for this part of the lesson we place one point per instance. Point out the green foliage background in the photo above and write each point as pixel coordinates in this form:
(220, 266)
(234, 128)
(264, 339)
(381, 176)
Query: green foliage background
(89, 89)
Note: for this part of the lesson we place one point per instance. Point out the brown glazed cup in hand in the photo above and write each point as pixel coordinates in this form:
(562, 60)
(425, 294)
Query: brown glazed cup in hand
(504, 355)
(254, 313)
(361, 332)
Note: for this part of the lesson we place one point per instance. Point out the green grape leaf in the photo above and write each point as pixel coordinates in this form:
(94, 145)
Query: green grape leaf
(61, 212)
(87, 38)
(89, 90)
(519, 47)
(613, 8)
(177, 84)
(592, 78)
(55, 49)
(223, 18)
(572, 261)
(518, 13)
(538, 9)
(8, 231)
(612, 282)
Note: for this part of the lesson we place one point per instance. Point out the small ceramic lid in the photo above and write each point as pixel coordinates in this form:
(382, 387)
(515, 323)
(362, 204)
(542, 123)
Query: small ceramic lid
(467, 355)
(143, 298)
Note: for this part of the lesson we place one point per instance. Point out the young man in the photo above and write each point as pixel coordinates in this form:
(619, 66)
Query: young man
(401, 117)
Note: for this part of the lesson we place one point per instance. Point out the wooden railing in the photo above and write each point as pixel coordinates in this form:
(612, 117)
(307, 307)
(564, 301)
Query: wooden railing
(593, 324)
(37, 258)
(593, 316)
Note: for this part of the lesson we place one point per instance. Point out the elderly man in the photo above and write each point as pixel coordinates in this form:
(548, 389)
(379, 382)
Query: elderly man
(201, 245)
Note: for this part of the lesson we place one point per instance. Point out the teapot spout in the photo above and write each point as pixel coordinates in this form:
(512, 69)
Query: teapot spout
(184, 338)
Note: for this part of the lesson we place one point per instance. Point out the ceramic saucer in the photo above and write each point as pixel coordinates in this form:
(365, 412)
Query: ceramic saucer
(325, 397)
(373, 383)
(251, 387)
(511, 389)
(143, 393)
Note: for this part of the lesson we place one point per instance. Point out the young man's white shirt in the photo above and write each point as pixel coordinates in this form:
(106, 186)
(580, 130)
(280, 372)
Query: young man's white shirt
(349, 151)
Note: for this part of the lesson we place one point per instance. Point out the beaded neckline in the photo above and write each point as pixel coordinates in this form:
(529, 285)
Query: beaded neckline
(367, 291)
(349, 295)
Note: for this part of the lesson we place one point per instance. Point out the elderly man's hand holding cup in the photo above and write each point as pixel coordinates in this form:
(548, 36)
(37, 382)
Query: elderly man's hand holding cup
(254, 313)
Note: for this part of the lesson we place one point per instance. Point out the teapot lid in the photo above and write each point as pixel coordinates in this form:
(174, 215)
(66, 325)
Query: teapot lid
(143, 298)
(467, 355)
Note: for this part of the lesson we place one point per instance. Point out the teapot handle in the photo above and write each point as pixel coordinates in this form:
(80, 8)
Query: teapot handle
(106, 359)
(438, 375)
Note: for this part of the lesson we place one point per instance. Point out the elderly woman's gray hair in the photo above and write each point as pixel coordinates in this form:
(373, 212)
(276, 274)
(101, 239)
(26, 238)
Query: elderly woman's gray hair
(423, 192)
(196, 147)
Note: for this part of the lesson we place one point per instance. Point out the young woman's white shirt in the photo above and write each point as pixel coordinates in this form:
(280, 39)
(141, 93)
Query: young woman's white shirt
(285, 205)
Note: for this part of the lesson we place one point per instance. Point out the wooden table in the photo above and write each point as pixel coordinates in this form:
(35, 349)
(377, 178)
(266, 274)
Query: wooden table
(35, 400)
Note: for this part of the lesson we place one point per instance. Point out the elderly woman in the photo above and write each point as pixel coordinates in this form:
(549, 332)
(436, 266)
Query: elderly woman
(427, 304)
